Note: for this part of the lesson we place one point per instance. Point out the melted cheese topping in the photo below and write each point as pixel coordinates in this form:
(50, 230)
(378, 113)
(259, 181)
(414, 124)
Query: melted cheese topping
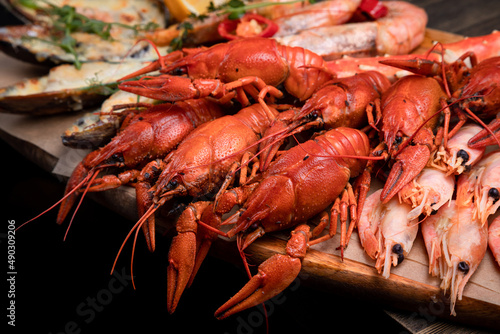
(123, 11)
(124, 43)
(68, 77)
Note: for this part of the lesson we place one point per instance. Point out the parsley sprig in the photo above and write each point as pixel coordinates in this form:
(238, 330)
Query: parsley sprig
(95, 84)
(184, 29)
(237, 8)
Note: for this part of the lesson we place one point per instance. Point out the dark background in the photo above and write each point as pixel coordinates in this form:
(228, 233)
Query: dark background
(57, 280)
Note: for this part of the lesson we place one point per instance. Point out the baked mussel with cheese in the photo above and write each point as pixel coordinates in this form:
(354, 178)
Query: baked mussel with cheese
(65, 88)
(97, 128)
(73, 31)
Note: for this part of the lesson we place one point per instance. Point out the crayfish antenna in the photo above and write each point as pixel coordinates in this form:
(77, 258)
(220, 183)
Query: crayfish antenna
(153, 66)
(481, 139)
(94, 175)
(68, 194)
(136, 227)
(487, 136)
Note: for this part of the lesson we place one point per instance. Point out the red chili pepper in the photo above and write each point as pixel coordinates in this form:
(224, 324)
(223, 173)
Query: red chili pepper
(227, 28)
(373, 8)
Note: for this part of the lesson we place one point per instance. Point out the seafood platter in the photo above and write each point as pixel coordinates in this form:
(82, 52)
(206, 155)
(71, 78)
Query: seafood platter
(342, 139)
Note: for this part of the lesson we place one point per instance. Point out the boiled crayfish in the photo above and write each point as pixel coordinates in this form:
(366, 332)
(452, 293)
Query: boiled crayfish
(205, 161)
(228, 70)
(149, 134)
(299, 185)
(344, 102)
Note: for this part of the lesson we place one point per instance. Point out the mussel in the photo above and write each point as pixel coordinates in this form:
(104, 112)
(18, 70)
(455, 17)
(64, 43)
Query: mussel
(65, 89)
(95, 129)
(39, 42)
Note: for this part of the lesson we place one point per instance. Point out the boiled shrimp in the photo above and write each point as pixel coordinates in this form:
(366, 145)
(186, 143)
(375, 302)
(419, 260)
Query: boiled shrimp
(456, 243)
(399, 32)
(457, 156)
(291, 18)
(386, 234)
(429, 191)
(316, 15)
(481, 187)
(494, 238)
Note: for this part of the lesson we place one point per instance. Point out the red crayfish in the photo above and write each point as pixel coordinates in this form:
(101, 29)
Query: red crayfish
(255, 66)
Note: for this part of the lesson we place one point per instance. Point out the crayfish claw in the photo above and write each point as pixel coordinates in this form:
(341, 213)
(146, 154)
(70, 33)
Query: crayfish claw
(148, 228)
(275, 275)
(189, 248)
(181, 258)
(78, 178)
(409, 164)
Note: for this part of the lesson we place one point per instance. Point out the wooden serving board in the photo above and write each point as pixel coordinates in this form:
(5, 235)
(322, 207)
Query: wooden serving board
(409, 286)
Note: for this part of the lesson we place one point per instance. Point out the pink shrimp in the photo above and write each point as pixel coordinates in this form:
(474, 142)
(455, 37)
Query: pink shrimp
(481, 187)
(399, 32)
(319, 14)
(456, 243)
(494, 238)
(386, 233)
(458, 157)
(430, 190)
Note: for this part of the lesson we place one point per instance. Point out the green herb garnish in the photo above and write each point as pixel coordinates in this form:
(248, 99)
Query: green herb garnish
(66, 21)
(237, 8)
(178, 41)
(96, 85)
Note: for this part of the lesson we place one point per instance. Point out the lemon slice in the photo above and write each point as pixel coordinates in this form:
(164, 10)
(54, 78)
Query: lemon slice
(180, 9)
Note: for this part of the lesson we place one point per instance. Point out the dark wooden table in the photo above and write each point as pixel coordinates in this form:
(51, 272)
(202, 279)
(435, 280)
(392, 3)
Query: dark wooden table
(463, 17)
(66, 286)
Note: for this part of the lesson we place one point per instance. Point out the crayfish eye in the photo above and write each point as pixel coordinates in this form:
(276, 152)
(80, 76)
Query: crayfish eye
(117, 157)
(464, 267)
(434, 211)
(398, 250)
(178, 71)
(464, 155)
(172, 184)
(494, 193)
(398, 140)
